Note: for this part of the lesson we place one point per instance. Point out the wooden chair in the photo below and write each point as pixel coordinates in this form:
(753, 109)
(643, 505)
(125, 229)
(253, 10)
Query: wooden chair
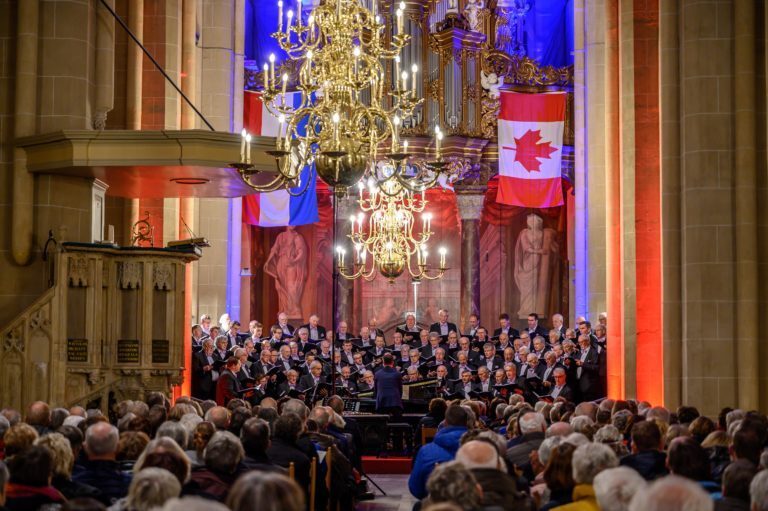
(427, 434)
(312, 483)
(292, 471)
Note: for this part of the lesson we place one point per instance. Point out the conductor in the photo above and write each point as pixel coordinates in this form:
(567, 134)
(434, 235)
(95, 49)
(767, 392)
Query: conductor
(388, 388)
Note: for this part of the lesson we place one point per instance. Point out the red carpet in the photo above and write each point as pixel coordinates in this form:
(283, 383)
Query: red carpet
(391, 465)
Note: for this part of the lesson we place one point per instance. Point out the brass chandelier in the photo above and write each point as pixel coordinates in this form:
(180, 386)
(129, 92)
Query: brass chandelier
(390, 235)
(354, 99)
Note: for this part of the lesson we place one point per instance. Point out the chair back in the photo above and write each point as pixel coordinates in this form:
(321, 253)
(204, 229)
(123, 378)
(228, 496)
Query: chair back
(427, 434)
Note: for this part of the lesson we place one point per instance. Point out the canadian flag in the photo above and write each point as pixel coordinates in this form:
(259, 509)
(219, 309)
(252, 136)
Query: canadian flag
(530, 149)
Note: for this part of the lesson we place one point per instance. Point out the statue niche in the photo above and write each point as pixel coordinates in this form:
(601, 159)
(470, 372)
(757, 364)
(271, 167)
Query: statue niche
(287, 264)
(536, 258)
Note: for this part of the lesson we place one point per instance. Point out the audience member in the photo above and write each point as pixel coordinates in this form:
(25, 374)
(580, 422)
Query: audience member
(100, 469)
(615, 487)
(672, 493)
(647, 457)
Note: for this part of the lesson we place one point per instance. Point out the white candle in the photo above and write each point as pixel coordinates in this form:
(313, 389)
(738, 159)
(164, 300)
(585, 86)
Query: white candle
(311, 21)
(266, 76)
(405, 146)
(272, 67)
(397, 70)
(280, 15)
(290, 21)
(399, 14)
(248, 148)
(395, 139)
(285, 85)
(352, 221)
(437, 144)
(404, 76)
(414, 70)
(336, 119)
(111, 235)
(242, 145)
(280, 121)
(298, 14)
(442, 251)
(356, 55)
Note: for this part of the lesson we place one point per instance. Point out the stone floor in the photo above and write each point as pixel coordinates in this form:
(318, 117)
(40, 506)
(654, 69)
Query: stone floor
(398, 497)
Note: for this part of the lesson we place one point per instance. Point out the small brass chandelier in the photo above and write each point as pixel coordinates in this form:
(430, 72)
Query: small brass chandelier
(390, 235)
(349, 110)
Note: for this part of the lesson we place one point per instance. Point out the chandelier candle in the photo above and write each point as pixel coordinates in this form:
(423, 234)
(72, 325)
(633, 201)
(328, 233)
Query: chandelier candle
(242, 146)
(280, 16)
(248, 148)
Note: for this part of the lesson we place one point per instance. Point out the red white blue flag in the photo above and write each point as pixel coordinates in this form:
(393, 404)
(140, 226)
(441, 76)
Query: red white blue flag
(278, 208)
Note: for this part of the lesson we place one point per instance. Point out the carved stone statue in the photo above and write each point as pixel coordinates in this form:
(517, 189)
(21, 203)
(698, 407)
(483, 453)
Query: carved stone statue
(536, 252)
(287, 264)
(492, 83)
(472, 12)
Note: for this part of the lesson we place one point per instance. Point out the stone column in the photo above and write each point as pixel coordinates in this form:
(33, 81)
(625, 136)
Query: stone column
(134, 70)
(470, 204)
(345, 207)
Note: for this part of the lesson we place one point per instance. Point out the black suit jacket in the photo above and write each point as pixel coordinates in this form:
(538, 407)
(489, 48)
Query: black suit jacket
(589, 382)
(307, 382)
(282, 454)
(320, 331)
(540, 331)
(566, 393)
(287, 335)
(388, 385)
(203, 386)
(435, 327)
(512, 332)
(227, 388)
(459, 387)
(498, 362)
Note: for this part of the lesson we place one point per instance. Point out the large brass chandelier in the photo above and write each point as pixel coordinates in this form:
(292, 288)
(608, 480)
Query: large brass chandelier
(354, 99)
(390, 235)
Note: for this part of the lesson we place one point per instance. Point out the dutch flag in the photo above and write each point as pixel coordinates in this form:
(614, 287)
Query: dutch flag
(278, 208)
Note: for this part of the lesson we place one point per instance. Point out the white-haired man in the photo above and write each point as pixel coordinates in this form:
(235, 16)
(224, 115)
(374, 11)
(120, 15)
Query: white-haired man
(615, 487)
(482, 458)
(673, 493)
(532, 427)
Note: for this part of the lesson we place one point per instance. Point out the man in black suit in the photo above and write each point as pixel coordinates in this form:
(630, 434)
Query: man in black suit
(474, 324)
(345, 379)
(410, 330)
(465, 385)
(228, 386)
(203, 375)
(489, 358)
(588, 370)
(434, 343)
(342, 331)
(560, 389)
(287, 330)
(291, 383)
(484, 383)
(367, 384)
(534, 329)
(263, 365)
(558, 325)
(284, 449)
(233, 335)
(414, 359)
(314, 377)
(316, 331)
(442, 327)
(388, 388)
(462, 364)
(504, 327)
(244, 376)
(550, 364)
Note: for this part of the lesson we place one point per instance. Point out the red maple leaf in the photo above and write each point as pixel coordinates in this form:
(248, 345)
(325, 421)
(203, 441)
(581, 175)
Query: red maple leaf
(528, 150)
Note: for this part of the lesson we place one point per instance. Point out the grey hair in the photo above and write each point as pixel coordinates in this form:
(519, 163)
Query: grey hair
(174, 430)
(194, 504)
(733, 416)
(298, 407)
(608, 434)
(222, 338)
(615, 487)
(582, 424)
(101, 439)
(190, 421)
(4, 425)
(546, 448)
(223, 452)
(672, 493)
(532, 422)
(591, 459)
(758, 491)
(208, 342)
(499, 441)
(151, 488)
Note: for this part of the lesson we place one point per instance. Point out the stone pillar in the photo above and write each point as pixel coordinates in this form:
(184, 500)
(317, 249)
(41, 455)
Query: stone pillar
(470, 204)
(188, 63)
(745, 205)
(105, 66)
(345, 207)
(135, 70)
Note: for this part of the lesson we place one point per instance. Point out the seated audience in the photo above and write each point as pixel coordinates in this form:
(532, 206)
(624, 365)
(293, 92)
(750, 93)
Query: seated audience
(100, 468)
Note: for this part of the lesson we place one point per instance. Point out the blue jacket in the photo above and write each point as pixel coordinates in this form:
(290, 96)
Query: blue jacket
(443, 448)
(388, 387)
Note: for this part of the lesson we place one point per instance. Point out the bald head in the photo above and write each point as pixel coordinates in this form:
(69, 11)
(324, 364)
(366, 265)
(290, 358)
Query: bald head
(39, 414)
(586, 408)
(219, 417)
(562, 429)
(320, 415)
(101, 441)
(477, 454)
